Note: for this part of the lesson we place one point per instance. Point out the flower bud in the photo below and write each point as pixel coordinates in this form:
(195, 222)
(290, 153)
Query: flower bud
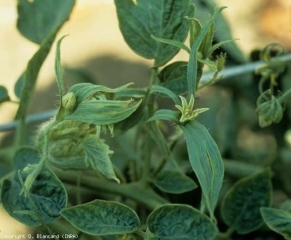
(69, 101)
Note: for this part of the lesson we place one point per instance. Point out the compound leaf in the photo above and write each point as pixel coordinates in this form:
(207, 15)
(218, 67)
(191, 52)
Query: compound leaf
(39, 18)
(179, 222)
(240, 208)
(278, 220)
(173, 181)
(162, 19)
(101, 217)
(46, 198)
(205, 160)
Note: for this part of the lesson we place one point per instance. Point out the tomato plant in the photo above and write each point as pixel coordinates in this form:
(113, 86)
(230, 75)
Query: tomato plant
(114, 163)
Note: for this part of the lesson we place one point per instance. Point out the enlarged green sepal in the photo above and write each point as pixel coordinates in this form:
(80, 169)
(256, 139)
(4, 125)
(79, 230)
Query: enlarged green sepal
(206, 162)
(89, 91)
(103, 112)
(240, 208)
(278, 220)
(177, 221)
(102, 218)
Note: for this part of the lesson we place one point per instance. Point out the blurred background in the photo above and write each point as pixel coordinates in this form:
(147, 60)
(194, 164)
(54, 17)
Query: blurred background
(95, 49)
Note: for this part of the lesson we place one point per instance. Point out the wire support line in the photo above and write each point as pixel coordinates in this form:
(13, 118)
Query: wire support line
(227, 73)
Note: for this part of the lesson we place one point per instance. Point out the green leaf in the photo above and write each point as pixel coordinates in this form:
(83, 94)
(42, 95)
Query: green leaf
(3, 94)
(173, 43)
(240, 208)
(224, 34)
(132, 120)
(46, 198)
(195, 28)
(206, 162)
(19, 85)
(179, 222)
(25, 156)
(101, 217)
(103, 112)
(165, 91)
(207, 42)
(39, 18)
(278, 220)
(218, 45)
(30, 15)
(192, 64)
(97, 156)
(165, 114)
(161, 142)
(131, 92)
(174, 77)
(163, 19)
(173, 181)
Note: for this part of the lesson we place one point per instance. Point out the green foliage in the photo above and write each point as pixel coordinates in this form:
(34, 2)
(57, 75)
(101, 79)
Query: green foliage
(121, 157)
(278, 220)
(40, 204)
(206, 162)
(40, 18)
(174, 221)
(3, 94)
(172, 181)
(139, 21)
(240, 208)
(102, 218)
(174, 77)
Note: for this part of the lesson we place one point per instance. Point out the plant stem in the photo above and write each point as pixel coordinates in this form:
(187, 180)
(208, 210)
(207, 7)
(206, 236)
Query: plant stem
(141, 233)
(30, 76)
(133, 191)
(285, 96)
(149, 100)
(226, 235)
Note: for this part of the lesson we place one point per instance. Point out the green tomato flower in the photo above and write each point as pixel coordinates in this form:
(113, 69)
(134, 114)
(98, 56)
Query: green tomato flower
(187, 111)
